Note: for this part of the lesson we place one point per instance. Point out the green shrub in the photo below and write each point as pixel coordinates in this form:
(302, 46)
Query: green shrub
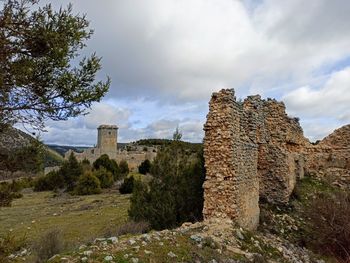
(123, 168)
(88, 184)
(145, 167)
(53, 180)
(6, 195)
(10, 244)
(109, 164)
(175, 194)
(105, 177)
(71, 170)
(127, 186)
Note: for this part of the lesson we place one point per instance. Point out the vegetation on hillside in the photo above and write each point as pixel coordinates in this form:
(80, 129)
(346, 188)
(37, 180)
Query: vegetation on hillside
(317, 217)
(81, 178)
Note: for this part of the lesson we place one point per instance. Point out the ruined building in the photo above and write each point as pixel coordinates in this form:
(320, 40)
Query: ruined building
(107, 143)
(254, 151)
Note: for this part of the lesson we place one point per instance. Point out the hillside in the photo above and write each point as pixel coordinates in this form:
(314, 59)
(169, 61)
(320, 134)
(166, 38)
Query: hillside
(14, 141)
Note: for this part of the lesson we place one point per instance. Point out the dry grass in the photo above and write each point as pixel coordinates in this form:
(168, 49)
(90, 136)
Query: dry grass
(81, 218)
(130, 227)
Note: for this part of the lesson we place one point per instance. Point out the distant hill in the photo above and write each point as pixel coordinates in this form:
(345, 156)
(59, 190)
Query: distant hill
(18, 157)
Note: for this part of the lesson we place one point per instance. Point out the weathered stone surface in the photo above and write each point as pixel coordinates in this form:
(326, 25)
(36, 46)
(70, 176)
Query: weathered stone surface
(107, 144)
(253, 150)
(330, 158)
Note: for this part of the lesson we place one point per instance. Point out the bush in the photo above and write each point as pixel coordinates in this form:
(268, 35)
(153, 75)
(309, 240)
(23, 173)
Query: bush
(109, 164)
(9, 191)
(330, 226)
(71, 170)
(10, 244)
(175, 194)
(6, 195)
(52, 181)
(88, 184)
(48, 245)
(127, 186)
(123, 168)
(145, 167)
(105, 177)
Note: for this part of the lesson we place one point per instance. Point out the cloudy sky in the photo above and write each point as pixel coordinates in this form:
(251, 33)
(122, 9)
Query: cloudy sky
(166, 57)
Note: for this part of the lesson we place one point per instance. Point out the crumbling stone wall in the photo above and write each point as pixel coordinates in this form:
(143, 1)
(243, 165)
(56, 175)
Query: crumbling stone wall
(231, 189)
(330, 158)
(253, 150)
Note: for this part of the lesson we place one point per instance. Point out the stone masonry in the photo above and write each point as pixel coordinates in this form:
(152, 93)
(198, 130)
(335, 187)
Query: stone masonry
(107, 144)
(253, 150)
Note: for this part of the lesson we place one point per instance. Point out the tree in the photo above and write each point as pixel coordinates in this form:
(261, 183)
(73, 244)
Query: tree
(145, 167)
(88, 184)
(71, 170)
(177, 135)
(127, 186)
(39, 78)
(175, 194)
(109, 164)
(105, 177)
(123, 168)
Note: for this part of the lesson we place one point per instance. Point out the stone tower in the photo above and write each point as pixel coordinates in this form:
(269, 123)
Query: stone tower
(107, 139)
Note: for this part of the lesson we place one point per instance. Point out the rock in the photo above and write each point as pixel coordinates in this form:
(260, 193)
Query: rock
(147, 252)
(114, 240)
(171, 254)
(82, 247)
(134, 260)
(131, 242)
(196, 238)
(146, 237)
(126, 256)
(84, 259)
(239, 234)
(213, 261)
(100, 239)
(87, 253)
(108, 258)
(24, 252)
(12, 256)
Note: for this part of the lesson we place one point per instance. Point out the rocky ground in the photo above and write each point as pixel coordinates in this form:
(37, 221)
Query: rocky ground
(213, 241)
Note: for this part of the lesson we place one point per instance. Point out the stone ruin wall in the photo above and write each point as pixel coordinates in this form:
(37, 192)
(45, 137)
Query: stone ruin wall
(330, 158)
(231, 186)
(253, 150)
(134, 159)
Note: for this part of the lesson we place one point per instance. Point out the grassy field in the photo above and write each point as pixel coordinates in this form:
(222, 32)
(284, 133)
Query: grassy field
(80, 218)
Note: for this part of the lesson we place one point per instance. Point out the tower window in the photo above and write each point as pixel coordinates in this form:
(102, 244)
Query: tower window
(109, 133)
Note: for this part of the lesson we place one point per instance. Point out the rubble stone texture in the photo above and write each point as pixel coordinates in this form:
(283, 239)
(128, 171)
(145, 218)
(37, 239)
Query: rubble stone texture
(107, 144)
(253, 150)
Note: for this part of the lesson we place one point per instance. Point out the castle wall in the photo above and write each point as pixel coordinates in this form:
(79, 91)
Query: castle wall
(253, 150)
(107, 144)
(231, 188)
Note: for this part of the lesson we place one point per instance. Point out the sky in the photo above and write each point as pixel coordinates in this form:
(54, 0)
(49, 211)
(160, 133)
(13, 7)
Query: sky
(166, 57)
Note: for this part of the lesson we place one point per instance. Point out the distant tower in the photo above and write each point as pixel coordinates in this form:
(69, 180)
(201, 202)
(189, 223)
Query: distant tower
(107, 139)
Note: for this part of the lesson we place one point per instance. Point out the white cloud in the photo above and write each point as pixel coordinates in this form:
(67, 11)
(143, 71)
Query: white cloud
(331, 100)
(177, 51)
